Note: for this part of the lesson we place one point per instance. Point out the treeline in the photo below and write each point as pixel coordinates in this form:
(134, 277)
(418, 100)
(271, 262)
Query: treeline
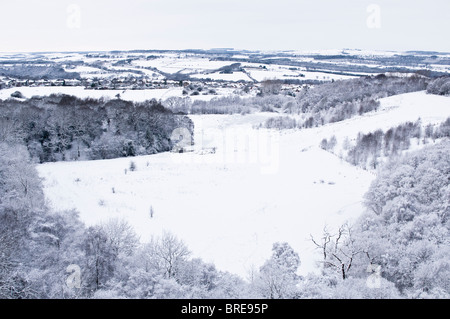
(329, 95)
(370, 147)
(321, 104)
(38, 72)
(229, 104)
(63, 127)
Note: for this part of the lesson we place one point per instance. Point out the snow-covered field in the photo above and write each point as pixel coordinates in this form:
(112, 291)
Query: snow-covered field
(281, 72)
(259, 187)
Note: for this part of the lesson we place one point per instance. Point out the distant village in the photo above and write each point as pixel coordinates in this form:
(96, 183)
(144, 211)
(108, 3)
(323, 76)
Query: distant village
(119, 83)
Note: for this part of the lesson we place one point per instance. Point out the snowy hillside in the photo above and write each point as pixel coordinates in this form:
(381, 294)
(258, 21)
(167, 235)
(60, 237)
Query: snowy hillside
(394, 110)
(259, 187)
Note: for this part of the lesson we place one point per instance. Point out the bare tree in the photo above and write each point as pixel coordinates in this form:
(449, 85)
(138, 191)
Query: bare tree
(151, 212)
(166, 253)
(339, 250)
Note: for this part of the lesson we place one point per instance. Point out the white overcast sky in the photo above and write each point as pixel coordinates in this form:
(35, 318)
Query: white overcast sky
(60, 25)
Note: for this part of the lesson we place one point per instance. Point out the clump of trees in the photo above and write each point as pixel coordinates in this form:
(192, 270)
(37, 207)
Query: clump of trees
(270, 87)
(360, 92)
(17, 94)
(442, 130)
(221, 105)
(62, 127)
(340, 100)
(229, 104)
(328, 145)
(370, 147)
(440, 86)
(280, 123)
(408, 222)
(399, 247)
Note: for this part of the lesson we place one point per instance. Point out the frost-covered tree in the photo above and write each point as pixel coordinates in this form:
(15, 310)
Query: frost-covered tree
(20, 184)
(100, 259)
(35, 244)
(62, 127)
(277, 278)
(407, 225)
(270, 86)
(440, 86)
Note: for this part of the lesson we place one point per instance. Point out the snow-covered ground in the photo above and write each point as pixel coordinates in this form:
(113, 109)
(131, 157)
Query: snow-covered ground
(259, 187)
(229, 207)
(178, 63)
(281, 72)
